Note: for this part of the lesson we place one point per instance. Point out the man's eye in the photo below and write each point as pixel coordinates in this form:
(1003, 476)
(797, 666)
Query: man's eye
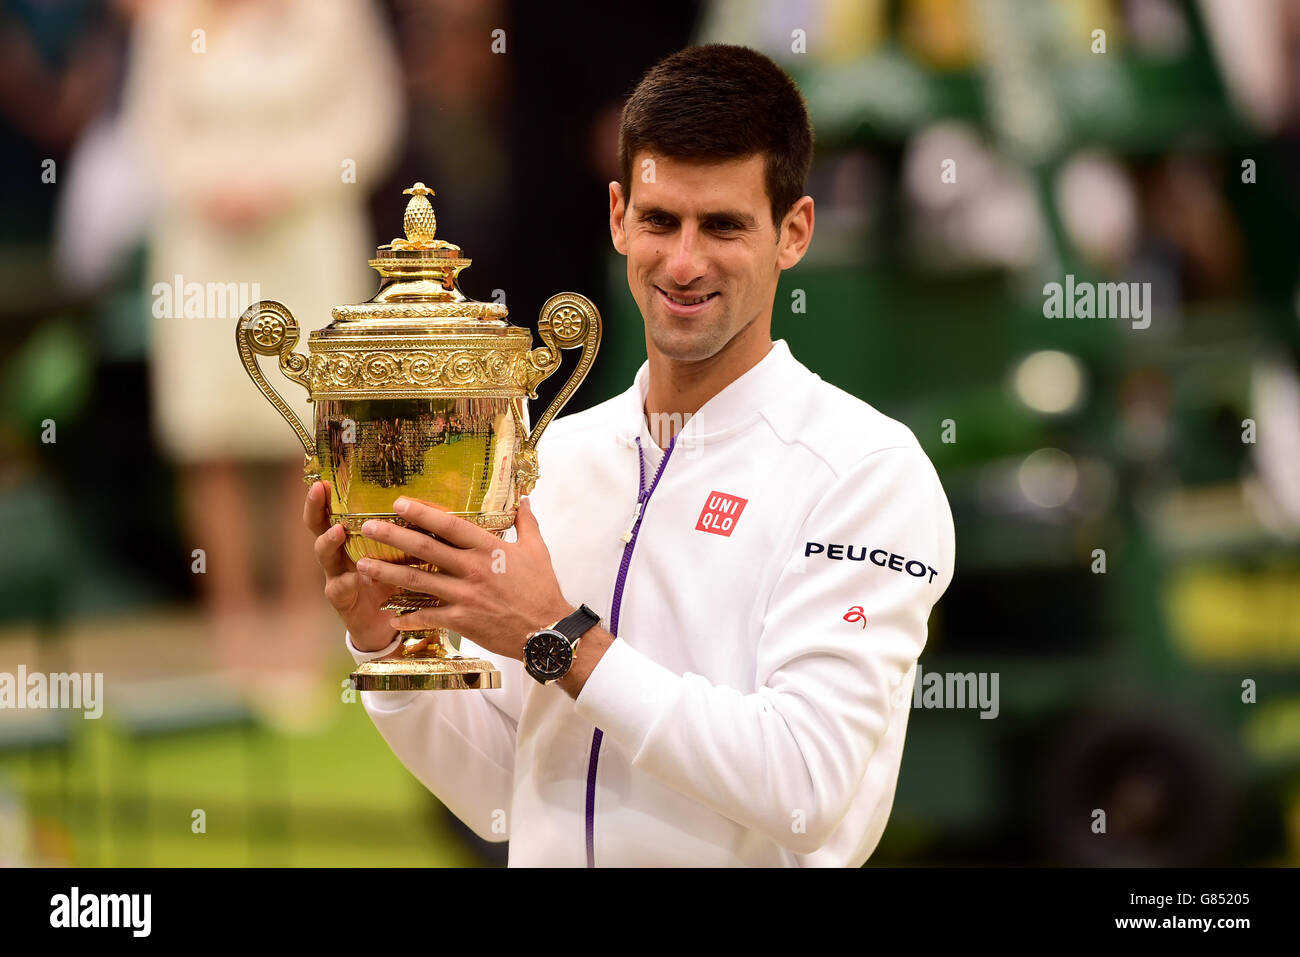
(658, 221)
(725, 226)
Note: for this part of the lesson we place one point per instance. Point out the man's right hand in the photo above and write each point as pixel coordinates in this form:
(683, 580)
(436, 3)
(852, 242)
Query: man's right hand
(357, 599)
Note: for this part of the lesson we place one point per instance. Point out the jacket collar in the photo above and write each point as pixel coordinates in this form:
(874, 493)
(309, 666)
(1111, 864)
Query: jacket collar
(730, 410)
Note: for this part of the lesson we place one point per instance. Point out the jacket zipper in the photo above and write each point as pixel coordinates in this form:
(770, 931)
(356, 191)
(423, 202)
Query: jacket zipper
(629, 543)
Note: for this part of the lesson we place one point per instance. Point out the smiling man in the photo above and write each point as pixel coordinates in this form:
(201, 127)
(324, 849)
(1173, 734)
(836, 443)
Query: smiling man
(697, 666)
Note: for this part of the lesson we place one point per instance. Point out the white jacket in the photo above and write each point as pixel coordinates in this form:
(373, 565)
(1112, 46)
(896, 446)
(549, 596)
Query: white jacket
(753, 709)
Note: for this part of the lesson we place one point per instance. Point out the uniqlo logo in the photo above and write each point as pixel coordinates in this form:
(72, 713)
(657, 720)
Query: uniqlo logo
(720, 514)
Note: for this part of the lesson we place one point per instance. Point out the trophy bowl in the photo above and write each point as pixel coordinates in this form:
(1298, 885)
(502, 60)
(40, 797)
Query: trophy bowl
(420, 392)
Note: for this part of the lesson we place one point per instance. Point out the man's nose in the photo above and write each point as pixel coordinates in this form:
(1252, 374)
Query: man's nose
(685, 261)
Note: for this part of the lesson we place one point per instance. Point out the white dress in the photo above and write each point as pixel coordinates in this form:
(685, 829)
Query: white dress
(286, 97)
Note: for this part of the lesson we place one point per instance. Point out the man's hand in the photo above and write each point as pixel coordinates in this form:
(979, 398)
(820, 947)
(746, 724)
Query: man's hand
(493, 592)
(354, 596)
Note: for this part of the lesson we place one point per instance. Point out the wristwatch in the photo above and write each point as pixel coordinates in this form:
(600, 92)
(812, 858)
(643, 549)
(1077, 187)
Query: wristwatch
(548, 652)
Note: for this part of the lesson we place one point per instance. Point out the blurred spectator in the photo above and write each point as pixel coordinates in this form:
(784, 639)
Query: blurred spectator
(260, 125)
(57, 59)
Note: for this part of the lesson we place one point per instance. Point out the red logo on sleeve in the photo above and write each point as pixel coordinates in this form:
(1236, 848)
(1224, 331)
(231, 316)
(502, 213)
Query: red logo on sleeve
(720, 514)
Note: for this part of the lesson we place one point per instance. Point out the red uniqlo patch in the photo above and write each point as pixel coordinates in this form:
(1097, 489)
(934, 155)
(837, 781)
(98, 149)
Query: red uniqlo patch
(720, 514)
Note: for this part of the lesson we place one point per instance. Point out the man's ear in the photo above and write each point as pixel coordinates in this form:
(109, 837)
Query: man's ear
(796, 233)
(617, 209)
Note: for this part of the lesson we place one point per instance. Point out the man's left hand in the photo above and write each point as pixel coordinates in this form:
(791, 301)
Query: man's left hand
(491, 591)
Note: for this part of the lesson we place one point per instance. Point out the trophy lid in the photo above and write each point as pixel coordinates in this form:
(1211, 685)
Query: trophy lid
(418, 283)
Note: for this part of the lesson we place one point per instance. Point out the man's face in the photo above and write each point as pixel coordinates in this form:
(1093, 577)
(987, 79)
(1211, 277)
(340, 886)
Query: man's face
(702, 253)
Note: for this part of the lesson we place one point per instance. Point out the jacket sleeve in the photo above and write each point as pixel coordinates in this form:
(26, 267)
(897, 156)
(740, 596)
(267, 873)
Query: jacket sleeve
(459, 744)
(787, 759)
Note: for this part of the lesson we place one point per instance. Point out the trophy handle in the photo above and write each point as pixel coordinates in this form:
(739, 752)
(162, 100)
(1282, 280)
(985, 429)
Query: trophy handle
(268, 328)
(567, 321)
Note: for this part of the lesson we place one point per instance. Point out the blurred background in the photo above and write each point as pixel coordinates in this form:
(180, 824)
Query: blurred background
(1127, 500)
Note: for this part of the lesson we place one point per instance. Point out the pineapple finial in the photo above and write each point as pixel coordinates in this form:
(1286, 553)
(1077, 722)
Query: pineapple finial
(419, 222)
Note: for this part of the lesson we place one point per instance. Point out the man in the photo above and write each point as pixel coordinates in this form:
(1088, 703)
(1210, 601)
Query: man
(763, 583)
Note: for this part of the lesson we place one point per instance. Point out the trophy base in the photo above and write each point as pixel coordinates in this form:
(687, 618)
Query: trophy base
(425, 674)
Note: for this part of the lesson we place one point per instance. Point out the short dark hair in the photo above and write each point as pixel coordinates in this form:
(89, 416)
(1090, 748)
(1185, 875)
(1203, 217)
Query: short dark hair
(721, 102)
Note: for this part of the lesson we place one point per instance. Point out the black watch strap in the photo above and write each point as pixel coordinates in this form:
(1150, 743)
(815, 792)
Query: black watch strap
(577, 624)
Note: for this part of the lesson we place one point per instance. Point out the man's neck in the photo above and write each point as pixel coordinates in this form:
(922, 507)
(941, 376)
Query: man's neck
(677, 390)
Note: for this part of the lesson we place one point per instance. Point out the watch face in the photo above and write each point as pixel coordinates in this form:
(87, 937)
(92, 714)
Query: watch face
(549, 654)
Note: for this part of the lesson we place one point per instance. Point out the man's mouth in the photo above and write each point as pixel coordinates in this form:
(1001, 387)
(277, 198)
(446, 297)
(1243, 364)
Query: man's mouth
(685, 305)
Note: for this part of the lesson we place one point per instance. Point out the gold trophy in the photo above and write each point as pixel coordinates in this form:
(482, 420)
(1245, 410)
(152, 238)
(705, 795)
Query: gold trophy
(421, 392)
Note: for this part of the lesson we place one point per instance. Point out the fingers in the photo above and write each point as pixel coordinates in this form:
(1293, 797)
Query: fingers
(315, 510)
(450, 528)
(330, 554)
(329, 539)
(526, 521)
(412, 579)
(418, 545)
(341, 590)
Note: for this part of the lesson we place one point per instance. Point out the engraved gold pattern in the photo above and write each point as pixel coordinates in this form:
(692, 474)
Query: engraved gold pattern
(420, 310)
(383, 371)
